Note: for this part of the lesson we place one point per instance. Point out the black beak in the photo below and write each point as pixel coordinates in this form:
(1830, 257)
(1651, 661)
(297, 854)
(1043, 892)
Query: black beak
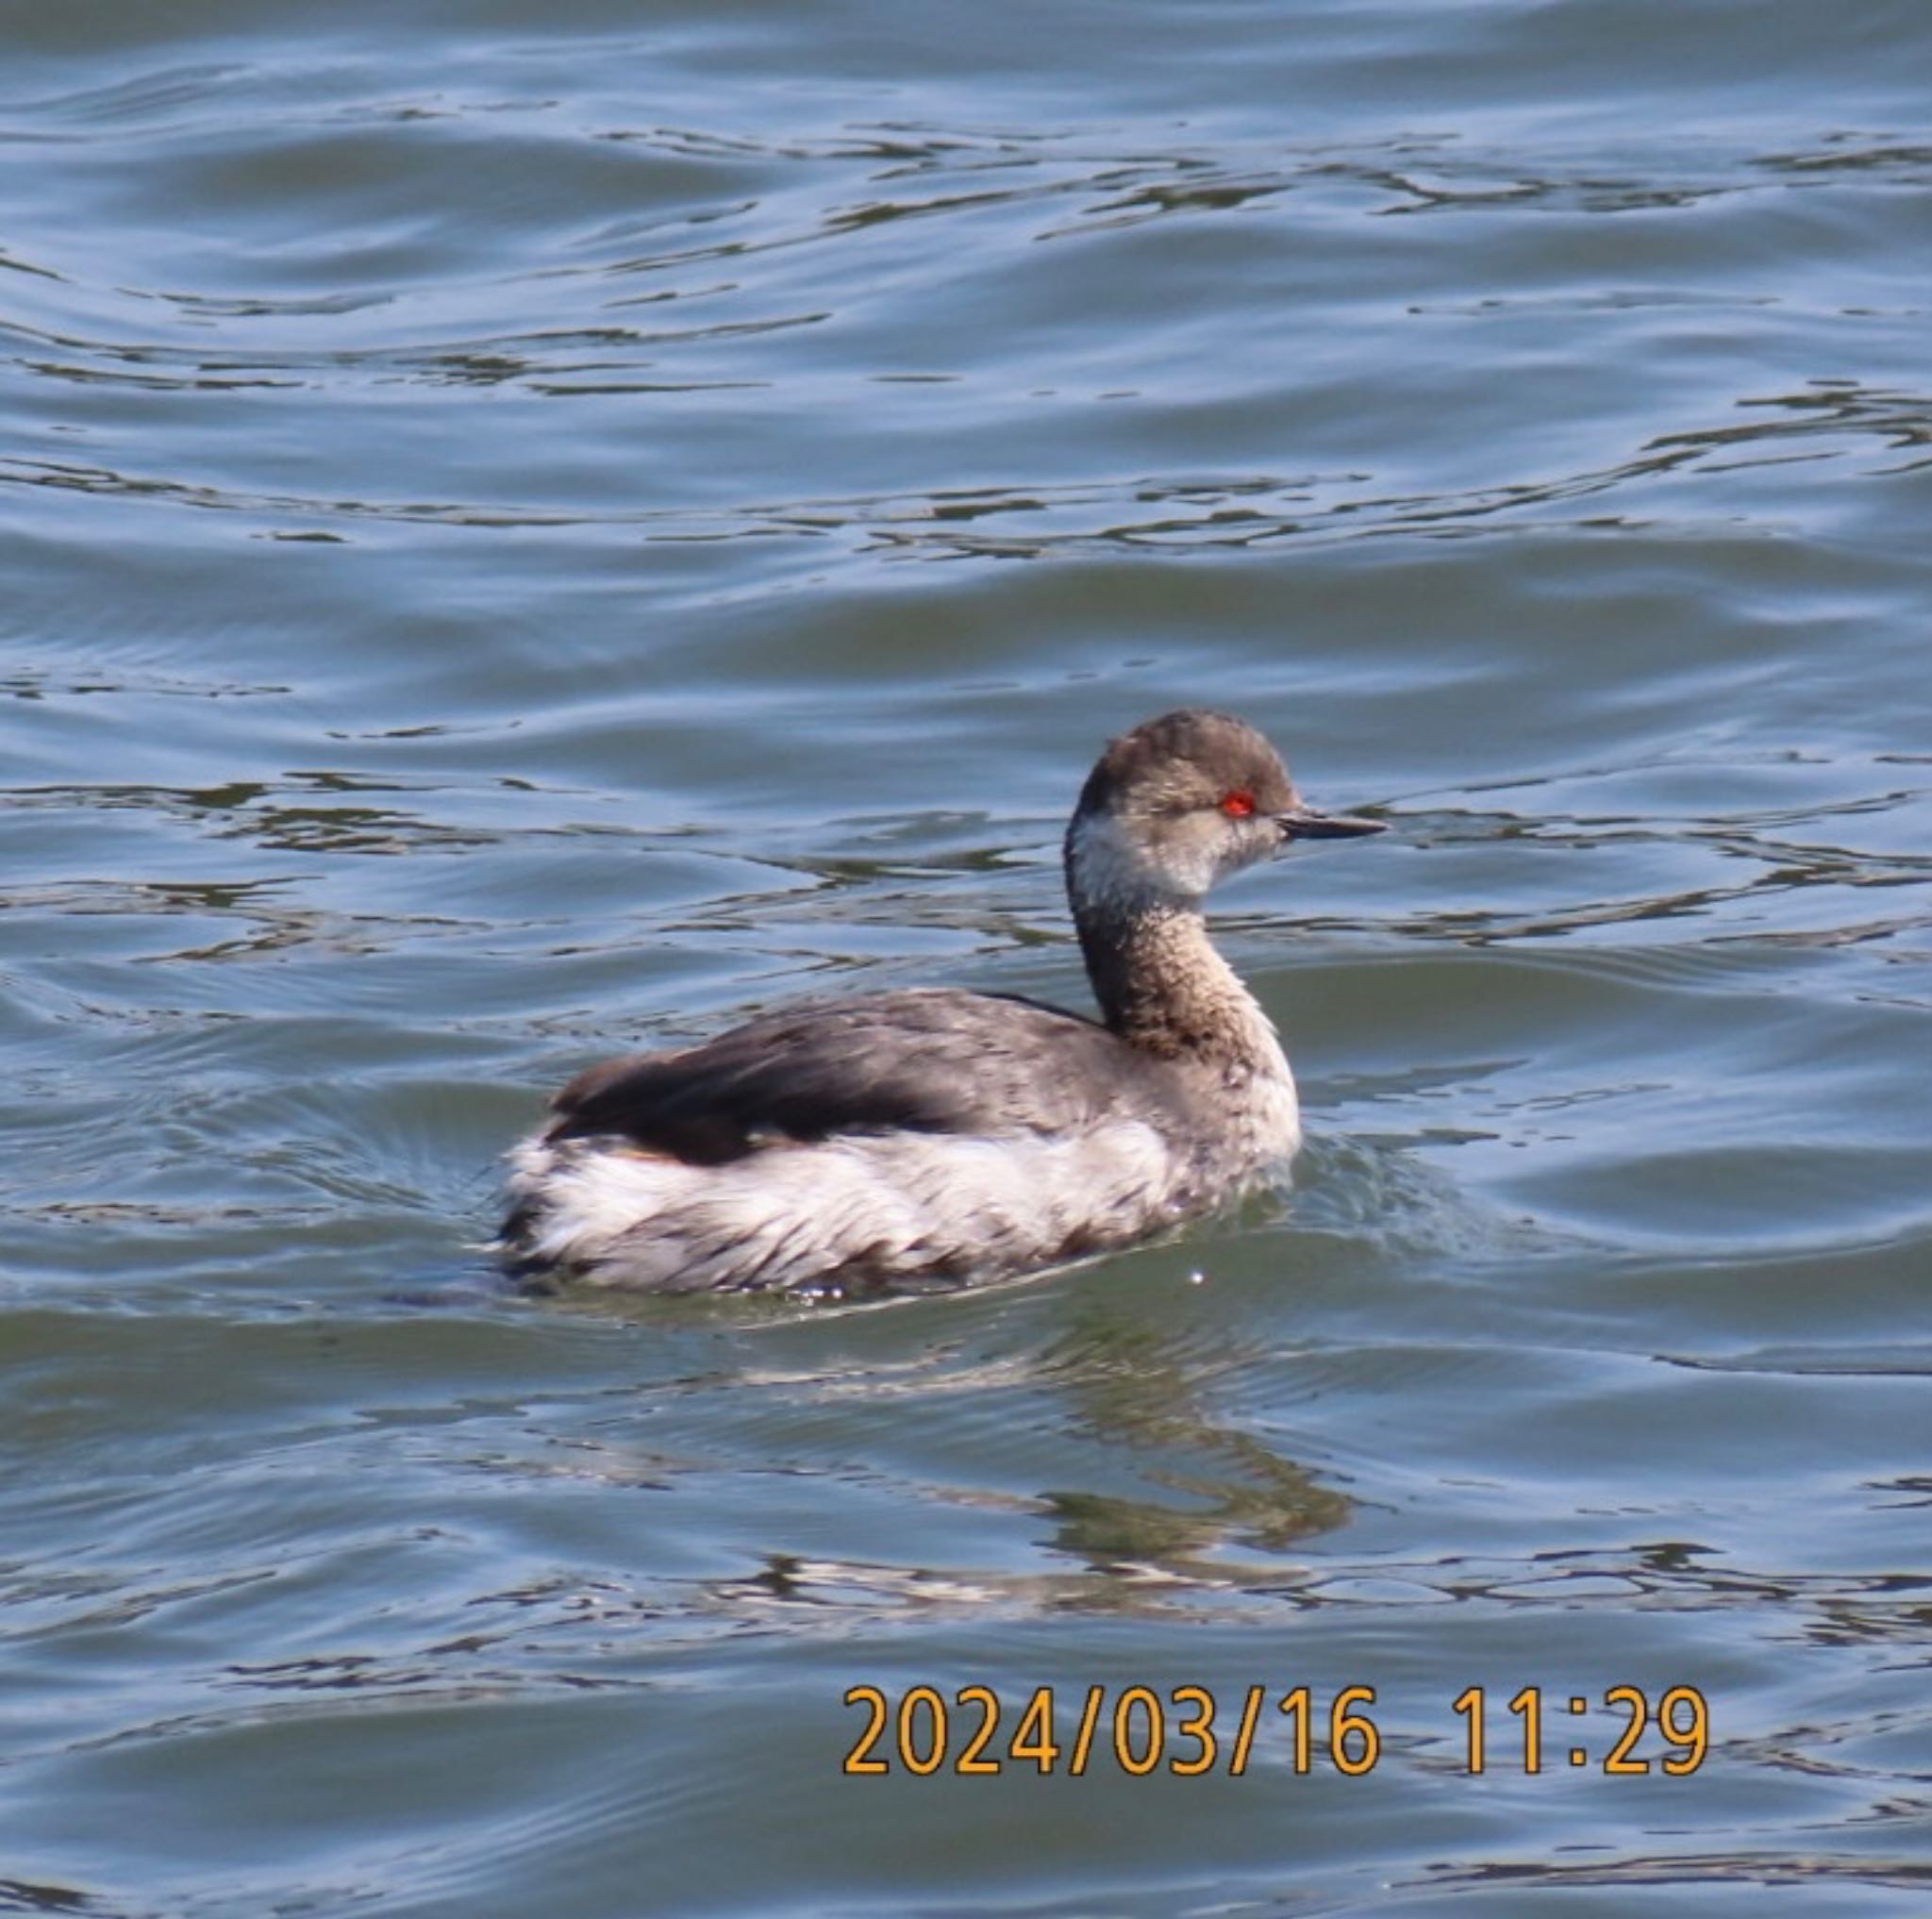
(1305, 823)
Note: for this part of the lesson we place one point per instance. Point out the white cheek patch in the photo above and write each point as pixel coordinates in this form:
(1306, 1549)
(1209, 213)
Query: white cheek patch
(1110, 868)
(1178, 864)
(1116, 871)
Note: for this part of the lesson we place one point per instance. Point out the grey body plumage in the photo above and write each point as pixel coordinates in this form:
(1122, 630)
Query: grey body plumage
(943, 1136)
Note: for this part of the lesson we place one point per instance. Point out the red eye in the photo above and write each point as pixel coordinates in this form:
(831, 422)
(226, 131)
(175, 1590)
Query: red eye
(1237, 805)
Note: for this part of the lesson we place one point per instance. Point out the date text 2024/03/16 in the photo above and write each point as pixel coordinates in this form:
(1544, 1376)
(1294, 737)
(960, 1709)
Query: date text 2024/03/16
(922, 1733)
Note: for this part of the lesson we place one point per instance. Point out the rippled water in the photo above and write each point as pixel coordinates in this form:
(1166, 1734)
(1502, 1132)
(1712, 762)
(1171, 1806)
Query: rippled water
(530, 531)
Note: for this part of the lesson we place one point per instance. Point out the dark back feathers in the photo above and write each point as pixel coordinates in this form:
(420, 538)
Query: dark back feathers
(939, 1061)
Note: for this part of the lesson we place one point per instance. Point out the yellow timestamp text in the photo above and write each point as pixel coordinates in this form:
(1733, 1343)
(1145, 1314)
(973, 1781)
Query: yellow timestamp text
(1186, 1731)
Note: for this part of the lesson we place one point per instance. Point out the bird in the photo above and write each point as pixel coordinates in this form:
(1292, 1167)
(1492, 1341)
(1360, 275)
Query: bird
(936, 1137)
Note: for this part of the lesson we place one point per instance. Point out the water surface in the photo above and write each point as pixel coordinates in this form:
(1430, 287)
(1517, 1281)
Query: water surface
(529, 532)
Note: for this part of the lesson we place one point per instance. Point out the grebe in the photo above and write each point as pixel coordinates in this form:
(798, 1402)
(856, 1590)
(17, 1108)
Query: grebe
(941, 1136)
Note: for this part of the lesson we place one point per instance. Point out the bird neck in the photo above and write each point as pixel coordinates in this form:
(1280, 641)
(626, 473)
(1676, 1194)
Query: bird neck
(1163, 987)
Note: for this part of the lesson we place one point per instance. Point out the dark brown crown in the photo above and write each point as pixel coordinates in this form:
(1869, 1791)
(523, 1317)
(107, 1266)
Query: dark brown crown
(1186, 759)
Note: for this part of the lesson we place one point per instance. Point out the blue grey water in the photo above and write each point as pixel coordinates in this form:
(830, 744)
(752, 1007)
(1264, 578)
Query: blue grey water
(530, 531)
